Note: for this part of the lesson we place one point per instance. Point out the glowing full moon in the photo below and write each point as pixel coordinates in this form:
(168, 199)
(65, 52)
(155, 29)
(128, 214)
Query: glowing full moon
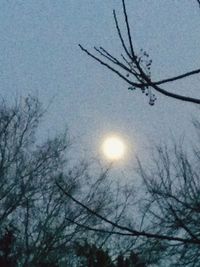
(113, 148)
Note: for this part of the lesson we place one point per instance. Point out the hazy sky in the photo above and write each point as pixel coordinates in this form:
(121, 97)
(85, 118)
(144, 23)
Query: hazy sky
(40, 56)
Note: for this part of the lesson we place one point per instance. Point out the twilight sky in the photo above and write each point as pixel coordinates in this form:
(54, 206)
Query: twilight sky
(40, 56)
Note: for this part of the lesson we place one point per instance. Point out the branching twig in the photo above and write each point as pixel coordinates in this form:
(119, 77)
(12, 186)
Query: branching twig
(137, 71)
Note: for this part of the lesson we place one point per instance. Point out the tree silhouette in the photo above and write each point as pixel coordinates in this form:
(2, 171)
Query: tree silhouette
(6, 246)
(93, 256)
(37, 225)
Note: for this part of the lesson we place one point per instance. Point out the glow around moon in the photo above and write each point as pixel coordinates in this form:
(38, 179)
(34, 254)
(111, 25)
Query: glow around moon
(113, 148)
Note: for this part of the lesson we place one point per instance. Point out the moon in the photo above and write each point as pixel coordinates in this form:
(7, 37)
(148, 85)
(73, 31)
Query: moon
(113, 148)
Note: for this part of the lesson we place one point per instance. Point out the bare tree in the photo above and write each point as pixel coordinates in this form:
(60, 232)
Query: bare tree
(135, 67)
(33, 210)
(172, 203)
(28, 169)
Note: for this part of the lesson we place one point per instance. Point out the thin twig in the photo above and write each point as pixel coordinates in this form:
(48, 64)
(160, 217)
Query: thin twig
(137, 85)
(128, 31)
(120, 35)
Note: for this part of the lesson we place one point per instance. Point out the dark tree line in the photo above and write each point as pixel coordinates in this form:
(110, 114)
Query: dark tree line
(92, 256)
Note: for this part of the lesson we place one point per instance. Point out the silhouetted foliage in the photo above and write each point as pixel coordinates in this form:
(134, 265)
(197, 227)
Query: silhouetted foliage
(120, 261)
(133, 260)
(91, 256)
(7, 240)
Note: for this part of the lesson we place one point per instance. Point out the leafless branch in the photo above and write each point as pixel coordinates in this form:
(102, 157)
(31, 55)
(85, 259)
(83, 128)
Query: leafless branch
(127, 230)
(137, 70)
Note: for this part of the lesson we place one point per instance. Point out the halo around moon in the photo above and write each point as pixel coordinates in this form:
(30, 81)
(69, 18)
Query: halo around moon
(113, 148)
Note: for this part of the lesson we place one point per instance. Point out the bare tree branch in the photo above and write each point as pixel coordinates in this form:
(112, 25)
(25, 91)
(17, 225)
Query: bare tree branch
(136, 70)
(111, 68)
(126, 229)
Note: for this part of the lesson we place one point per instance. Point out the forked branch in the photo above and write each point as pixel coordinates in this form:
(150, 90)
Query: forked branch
(135, 68)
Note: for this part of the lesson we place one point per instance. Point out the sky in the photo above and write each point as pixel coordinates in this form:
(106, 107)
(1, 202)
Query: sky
(40, 56)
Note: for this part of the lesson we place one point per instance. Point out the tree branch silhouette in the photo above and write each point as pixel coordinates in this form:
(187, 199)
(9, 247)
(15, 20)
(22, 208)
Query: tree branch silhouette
(133, 71)
(126, 231)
